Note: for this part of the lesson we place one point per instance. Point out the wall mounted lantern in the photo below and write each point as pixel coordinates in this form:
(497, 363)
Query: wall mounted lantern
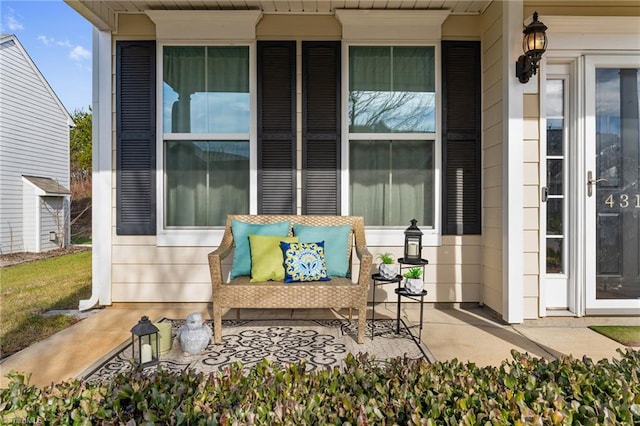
(534, 44)
(413, 244)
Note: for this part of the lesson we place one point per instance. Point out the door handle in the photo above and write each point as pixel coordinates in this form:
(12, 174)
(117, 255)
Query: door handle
(591, 182)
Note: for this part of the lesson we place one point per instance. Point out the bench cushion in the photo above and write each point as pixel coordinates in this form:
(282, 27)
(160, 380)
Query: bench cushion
(336, 245)
(304, 262)
(266, 257)
(241, 249)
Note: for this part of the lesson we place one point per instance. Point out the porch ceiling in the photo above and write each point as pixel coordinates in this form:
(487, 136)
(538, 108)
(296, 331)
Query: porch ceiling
(103, 13)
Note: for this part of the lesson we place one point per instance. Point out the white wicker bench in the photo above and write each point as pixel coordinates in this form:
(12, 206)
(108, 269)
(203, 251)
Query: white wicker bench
(335, 293)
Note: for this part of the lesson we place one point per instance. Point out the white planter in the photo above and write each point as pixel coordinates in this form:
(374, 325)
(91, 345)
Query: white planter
(388, 270)
(414, 285)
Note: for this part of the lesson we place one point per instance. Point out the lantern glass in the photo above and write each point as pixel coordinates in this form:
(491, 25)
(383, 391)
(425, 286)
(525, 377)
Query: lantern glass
(144, 339)
(413, 244)
(534, 42)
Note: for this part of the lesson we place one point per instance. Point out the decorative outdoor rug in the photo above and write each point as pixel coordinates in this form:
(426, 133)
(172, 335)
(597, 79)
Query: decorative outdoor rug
(322, 343)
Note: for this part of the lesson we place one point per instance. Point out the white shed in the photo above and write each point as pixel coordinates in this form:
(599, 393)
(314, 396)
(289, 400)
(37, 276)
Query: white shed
(34, 156)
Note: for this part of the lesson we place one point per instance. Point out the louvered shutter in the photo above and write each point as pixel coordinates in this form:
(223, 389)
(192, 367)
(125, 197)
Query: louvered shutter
(461, 137)
(135, 138)
(276, 128)
(321, 127)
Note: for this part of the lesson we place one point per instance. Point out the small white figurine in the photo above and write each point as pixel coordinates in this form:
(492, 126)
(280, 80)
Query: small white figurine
(195, 335)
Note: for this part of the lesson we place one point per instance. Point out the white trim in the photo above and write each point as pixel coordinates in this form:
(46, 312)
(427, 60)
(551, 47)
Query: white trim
(388, 236)
(102, 173)
(202, 237)
(391, 25)
(205, 24)
(512, 194)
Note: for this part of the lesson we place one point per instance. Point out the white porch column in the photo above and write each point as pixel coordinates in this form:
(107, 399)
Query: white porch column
(512, 193)
(101, 225)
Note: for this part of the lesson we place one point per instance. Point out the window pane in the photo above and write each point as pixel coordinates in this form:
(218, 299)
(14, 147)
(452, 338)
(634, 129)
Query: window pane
(391, 89)
(392, 182)
(205, 181)
(205, 89)
(554, 216)
(555, 255)
(555, 177)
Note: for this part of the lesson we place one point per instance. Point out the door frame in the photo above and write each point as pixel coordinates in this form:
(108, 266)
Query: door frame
(593, 305)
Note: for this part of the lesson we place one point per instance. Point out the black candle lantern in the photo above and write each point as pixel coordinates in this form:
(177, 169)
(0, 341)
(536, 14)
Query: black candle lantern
(144, 337)
(413, 244)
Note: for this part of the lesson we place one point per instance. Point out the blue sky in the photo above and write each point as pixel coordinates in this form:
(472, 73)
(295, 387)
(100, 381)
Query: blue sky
(58, 40)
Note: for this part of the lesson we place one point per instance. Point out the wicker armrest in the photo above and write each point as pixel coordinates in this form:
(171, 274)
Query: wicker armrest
(216, 257)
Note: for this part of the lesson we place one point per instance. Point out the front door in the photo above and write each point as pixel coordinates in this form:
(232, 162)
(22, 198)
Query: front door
(612, 137)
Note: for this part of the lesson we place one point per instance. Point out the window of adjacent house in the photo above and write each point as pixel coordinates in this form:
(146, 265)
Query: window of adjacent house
(205, 122)
(392, 126)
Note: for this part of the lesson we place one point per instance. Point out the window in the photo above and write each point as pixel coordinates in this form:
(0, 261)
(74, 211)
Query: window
(392, 131)
(205, 122)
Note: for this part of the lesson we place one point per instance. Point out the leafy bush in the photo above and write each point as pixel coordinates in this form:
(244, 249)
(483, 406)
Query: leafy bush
(525, 390)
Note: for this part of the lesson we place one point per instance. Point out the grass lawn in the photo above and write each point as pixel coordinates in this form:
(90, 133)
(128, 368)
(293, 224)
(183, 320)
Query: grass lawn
(30, 289)
(628, 335)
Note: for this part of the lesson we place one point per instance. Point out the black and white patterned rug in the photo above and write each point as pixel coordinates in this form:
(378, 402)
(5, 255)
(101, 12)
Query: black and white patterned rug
(322, 343)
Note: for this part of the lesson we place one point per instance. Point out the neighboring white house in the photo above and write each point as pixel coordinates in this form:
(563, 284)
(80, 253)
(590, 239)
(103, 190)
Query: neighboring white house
(527, 190)
(34, 156)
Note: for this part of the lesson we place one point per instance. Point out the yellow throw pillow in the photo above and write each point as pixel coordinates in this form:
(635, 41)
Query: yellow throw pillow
(266, 257)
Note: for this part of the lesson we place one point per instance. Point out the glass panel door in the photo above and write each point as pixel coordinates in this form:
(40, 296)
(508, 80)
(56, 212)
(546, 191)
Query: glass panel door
(613, 192)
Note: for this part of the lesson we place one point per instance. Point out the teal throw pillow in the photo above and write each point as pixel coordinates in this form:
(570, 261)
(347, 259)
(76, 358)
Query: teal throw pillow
(303, 262)
(241, 248)
(336, 245)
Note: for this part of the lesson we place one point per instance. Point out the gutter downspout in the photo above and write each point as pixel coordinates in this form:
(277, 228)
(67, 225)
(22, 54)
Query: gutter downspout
(101, 174)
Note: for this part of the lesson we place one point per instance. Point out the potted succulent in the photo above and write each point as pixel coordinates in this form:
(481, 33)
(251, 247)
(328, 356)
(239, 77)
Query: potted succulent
(413, 282)
(387, 268)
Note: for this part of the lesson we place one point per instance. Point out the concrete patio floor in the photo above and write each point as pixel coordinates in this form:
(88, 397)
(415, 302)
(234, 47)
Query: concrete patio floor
(469, 334)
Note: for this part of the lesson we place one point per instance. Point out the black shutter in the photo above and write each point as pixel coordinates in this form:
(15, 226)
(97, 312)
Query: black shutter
(276, 127)
(136, 138)
(461, 137)
(321, 127)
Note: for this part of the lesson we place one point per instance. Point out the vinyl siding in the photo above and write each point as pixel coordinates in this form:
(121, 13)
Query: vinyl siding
(531, 201)
(142, 271)
(492, 184)
(34, 139)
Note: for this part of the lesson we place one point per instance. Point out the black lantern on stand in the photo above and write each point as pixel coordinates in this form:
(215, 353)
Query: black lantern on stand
(144, 339)
(413, 244)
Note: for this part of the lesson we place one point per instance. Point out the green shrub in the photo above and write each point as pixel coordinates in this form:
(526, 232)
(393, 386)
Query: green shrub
(525, 390)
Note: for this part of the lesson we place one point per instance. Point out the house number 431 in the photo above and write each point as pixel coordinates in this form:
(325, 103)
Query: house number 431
(623, 201)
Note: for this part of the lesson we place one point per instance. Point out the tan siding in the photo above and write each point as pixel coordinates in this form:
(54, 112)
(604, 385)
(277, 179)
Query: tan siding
(585, 8)
(491, 36)
(135, 25)
(291, 27)
(530, 286)
(458, 27)
(531, 151)
(530, 308)
(141, 271)
(530, 174)
(531, 197)
(531, 241)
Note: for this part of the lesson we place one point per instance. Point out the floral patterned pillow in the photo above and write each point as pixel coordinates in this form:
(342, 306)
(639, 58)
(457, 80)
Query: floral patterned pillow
(304, 262)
